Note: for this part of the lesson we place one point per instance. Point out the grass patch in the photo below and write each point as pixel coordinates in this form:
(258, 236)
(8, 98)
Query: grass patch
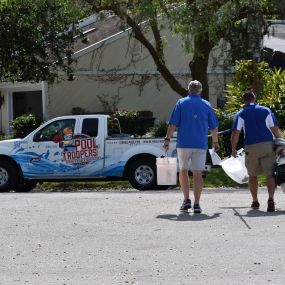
(214, 179)
(218, 178)
(75, 186)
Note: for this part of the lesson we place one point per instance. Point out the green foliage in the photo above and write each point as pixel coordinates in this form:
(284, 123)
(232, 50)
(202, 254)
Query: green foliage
(128, 121)
(126, 114)
(78, 111)
(213, 20)
(3, 137)
(133, 122)
(37, 38)
(218, 178)
(215, 178)
(25, 124)
(225, 119)
(200, 25)
(82, 186)
(248, 75)
(225, 125)
(158, 130)
(268, 85)
(273, 95)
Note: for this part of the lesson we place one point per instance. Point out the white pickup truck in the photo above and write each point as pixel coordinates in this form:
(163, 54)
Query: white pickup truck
(80, 147)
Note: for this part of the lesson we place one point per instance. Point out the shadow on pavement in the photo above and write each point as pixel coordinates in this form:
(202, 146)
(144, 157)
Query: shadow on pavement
(254, 213)
(188, 217)
(259, 213)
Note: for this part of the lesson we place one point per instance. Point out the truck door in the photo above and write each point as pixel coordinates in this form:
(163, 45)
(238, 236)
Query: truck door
(90, 145)
(52, 151)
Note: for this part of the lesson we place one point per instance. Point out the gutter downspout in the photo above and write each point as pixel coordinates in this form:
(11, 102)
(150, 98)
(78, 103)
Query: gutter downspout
(45, 100)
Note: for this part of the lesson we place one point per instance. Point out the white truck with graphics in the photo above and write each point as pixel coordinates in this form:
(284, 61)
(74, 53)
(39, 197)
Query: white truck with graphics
(79, 147)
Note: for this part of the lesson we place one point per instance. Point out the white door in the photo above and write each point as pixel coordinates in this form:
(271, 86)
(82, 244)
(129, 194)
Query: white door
(90, 145)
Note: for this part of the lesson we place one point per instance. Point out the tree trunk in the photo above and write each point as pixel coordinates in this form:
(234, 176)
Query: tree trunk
(198, 65)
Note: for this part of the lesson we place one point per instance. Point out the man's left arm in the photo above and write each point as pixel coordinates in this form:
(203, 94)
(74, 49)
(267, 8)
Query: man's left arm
(276, 132)
(215, 141)
(272, 122)
(213, 124)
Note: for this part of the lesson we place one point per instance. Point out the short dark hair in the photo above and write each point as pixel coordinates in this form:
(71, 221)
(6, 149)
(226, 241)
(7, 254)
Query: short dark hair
(248, 96)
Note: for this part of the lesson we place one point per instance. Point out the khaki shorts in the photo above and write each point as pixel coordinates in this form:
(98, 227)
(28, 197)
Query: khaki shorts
(191, 158)
(260, 158)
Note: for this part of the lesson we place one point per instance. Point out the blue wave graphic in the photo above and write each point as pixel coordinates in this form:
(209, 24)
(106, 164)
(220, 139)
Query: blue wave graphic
(47, 168)
(116, 169)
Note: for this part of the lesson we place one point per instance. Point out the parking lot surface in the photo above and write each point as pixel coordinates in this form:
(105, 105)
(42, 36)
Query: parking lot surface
(132, 237)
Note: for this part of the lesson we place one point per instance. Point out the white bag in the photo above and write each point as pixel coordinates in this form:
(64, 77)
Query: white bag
(166, 170)
(216, 160)
(235, 167)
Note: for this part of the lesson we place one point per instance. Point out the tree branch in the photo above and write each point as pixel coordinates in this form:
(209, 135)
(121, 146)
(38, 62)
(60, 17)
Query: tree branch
(156, 53)
(161, 67)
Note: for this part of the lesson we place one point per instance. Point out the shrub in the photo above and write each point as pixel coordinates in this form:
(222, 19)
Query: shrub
(268, 85)
(134, 122)
(78, 111)
(4, 137)
(274, 94)
(25, 124)
(225, 125)
(128, 121)
(158, 130)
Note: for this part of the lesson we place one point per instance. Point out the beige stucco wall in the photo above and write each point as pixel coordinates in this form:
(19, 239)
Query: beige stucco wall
(155, 96)
(125, 54)
(83, 93)
(109, 71)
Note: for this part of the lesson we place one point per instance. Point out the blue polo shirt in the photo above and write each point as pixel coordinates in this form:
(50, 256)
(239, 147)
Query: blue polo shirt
(256, 121)
(193, 116)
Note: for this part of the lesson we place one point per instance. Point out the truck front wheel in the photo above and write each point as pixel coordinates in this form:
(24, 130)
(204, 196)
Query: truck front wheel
(8, 176)
(26, 186)
(142, 174)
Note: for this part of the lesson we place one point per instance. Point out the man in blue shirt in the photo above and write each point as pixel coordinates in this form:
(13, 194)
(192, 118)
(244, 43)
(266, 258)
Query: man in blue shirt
(260, 127)
(193, 116)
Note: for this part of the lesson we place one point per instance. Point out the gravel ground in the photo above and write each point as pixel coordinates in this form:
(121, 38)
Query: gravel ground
(132, 237)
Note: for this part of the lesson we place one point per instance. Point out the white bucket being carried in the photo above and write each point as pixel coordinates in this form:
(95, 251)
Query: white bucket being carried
(166, 170)
(235, 167)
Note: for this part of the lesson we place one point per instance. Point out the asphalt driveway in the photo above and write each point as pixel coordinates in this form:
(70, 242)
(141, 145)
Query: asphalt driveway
(132, 237)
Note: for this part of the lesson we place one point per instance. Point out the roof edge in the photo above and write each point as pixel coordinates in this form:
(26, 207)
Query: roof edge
(99, 44)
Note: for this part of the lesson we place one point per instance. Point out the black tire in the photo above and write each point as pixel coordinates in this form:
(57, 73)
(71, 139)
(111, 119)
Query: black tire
(26, 186)
(8, 176)
(142, 173)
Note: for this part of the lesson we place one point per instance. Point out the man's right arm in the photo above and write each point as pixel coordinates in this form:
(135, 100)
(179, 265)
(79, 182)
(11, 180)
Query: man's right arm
(169, 133)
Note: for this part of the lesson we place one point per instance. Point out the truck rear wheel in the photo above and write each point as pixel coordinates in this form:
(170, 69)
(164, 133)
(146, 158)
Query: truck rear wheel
(142, 173)
(8, 176)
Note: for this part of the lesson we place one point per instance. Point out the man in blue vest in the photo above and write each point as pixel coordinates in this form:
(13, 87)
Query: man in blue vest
(193, 116)
(260, 126)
